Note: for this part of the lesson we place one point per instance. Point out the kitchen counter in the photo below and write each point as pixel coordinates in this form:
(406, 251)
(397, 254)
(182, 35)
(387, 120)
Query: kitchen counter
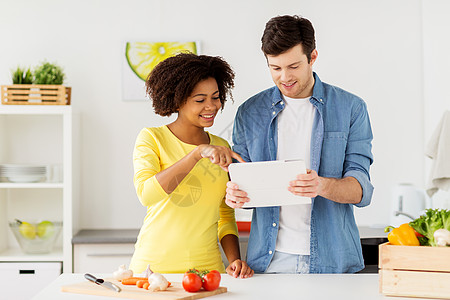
(366, 232)
(260, 286)
(91, 243)
(125, 236)
(106, 236)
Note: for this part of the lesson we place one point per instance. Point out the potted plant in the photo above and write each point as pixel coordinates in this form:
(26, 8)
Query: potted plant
(48, 73)
(42, 86)
(22, 76)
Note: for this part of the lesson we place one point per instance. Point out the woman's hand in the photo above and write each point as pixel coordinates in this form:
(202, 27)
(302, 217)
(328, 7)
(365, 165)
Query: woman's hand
(219, 155)
(239, 268)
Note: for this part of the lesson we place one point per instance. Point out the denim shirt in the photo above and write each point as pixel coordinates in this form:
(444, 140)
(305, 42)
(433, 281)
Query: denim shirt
(341, 144)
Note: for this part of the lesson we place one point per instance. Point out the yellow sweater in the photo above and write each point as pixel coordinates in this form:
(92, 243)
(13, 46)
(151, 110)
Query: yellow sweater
(181, 229)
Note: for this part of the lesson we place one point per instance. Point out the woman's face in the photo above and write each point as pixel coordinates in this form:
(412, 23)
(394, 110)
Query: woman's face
(202, 105)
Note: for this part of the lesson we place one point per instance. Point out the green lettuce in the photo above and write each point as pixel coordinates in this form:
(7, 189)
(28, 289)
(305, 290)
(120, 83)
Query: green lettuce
(428, 223)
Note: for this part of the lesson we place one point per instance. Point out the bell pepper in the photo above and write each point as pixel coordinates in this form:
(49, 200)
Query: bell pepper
(403, 235)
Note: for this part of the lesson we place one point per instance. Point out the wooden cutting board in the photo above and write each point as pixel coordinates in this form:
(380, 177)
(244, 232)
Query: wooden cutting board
(175, 291)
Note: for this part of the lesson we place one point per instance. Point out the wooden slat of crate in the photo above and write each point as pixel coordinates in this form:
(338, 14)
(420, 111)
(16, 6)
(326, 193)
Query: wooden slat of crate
(414, 271)
(414, 258)
(415, 284)
(31, 94)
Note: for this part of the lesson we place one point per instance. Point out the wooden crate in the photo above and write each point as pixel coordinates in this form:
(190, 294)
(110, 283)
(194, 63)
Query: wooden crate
(414, 271)
(34, 94)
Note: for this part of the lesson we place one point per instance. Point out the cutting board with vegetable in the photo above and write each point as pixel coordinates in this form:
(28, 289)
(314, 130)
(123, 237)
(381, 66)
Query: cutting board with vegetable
(175, 291)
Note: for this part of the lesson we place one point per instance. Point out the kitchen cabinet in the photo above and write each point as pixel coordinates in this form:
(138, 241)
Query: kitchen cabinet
(101, 258)
(33, 276)
(40, 135)
(104, 250)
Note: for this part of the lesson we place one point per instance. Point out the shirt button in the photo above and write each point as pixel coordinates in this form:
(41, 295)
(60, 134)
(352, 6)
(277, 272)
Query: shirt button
(273, 113)
(270, 251)
(274, 224)
(281, 102)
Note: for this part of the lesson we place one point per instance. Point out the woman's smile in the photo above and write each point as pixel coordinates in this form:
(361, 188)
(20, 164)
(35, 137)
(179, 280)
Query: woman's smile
(208, 117)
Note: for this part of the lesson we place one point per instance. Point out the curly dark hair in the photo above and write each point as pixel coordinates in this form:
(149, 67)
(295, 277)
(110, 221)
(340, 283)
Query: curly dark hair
(171, 82)
(284, 32)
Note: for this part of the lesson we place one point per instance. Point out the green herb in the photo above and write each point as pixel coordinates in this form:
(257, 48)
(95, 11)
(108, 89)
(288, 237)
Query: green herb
(20, 76)
(427, 224)
(48, 73)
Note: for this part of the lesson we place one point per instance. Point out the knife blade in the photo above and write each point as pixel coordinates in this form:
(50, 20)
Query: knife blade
(103, 283)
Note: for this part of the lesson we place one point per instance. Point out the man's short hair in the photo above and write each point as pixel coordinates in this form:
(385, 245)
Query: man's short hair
(284, 32)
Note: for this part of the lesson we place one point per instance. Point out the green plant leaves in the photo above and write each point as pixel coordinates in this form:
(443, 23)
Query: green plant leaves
(48, 73)
(45, 73)
(20, 76)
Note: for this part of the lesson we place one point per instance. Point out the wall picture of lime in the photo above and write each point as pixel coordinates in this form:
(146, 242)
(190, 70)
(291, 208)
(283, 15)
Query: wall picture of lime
(141, 57)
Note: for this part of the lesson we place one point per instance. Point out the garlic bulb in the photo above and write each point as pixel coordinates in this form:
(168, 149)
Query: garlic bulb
(122, 273)
(157, 282)
(147, 272)
(442, 237)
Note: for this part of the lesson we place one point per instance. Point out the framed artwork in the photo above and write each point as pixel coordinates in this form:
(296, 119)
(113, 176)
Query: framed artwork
(140, 58)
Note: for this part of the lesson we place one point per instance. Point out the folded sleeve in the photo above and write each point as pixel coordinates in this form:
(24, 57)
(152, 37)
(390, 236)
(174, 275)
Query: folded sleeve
(227, 221)
(146, 162)
(239, 138)
(359, 152)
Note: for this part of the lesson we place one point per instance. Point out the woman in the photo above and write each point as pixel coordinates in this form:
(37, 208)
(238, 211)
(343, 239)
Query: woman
(180, 172)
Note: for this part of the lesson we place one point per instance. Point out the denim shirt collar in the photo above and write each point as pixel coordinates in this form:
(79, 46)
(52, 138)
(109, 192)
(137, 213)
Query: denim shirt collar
(277, 97)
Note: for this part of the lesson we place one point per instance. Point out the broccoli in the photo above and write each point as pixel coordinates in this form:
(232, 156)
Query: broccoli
(427, 224)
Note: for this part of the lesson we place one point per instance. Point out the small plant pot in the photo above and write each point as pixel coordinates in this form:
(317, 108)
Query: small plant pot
(35, 94)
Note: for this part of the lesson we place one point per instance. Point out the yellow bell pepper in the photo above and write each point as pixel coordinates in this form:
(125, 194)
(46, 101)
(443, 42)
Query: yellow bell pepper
(403, 235)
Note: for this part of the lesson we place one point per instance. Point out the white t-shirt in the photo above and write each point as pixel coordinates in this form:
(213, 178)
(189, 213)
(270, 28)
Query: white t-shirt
(294, 140)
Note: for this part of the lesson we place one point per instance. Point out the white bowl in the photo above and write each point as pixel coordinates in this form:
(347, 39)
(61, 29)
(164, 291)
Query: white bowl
(26, 178)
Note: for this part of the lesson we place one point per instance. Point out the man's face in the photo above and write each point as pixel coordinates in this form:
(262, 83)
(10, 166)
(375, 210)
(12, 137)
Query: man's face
(292, 73)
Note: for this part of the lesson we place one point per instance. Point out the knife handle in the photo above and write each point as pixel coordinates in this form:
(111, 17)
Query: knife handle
(91, 278)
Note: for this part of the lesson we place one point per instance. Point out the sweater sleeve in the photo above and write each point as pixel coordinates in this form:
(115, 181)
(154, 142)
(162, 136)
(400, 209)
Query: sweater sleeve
(227, 221)
(146, 162)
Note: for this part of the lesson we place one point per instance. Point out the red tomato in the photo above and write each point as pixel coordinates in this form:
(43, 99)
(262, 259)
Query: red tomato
(211, 280)
(192, 282)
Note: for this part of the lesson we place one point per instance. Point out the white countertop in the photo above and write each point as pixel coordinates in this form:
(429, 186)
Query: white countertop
(260, 286)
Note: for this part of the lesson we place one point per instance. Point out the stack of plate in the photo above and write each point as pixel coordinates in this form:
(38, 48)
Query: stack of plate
(23, 173)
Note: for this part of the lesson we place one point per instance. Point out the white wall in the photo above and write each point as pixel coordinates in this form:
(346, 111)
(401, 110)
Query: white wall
(371, 48)
(436, 75)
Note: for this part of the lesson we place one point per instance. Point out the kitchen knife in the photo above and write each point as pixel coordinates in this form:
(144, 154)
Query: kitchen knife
(106, 284)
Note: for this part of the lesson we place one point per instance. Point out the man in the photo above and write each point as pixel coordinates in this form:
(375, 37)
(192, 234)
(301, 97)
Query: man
(304, 118)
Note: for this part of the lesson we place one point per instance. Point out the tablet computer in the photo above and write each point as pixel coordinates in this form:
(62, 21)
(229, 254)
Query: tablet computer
(267, 182)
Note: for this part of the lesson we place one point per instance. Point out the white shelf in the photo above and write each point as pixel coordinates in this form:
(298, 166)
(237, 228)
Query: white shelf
(15, 254)
(34, 109)
(39, 134)
(39, 185)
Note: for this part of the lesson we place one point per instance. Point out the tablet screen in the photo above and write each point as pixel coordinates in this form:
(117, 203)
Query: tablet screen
(266, 182)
